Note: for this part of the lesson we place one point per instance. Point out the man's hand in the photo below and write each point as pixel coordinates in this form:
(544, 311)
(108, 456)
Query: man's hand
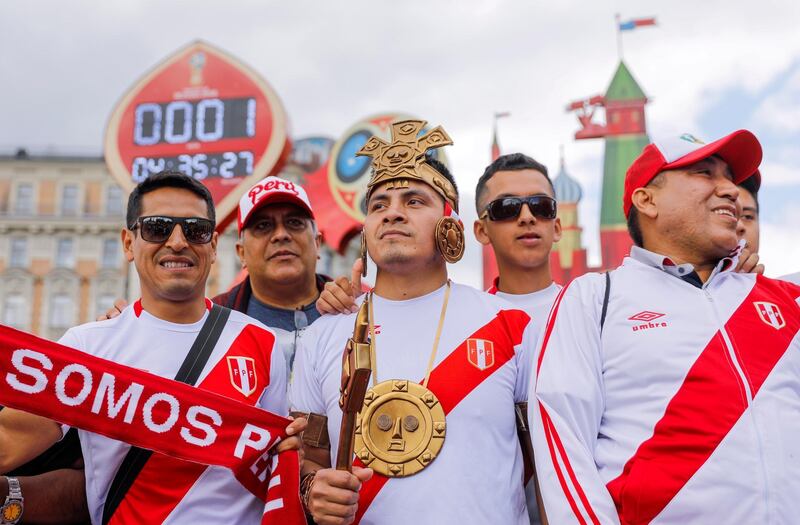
(748, 262)
(339, 296)
(294, 438)
(114, 311)
(333, 499)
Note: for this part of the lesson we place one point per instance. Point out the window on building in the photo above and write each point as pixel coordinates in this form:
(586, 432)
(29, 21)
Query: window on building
(19, 252)
(113, 200)
(24, 202)
(69, 199)
(110, 256)
(61, 311)
(14, 311)
(65, 258)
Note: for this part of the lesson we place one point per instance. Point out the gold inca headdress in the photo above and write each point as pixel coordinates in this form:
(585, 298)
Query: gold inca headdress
(403, 159)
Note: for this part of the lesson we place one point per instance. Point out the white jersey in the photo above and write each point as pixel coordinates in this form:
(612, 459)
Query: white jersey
(537, 305)
(683, 408)
(477, 477)
(242, 366)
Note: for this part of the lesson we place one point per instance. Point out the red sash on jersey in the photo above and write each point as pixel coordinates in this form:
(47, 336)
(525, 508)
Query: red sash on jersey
(152, 412)
(709, 403)
(456, 377)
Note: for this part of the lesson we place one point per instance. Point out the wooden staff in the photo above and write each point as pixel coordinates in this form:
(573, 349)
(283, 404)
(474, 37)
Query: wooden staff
(356, 370)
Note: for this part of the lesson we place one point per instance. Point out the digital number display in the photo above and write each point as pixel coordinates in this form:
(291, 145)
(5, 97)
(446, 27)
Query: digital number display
(182, 121)
(226, 165)
(202, 112)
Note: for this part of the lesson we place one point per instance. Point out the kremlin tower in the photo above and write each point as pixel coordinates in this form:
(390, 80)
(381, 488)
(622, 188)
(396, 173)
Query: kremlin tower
(625, 135)
(568, 259)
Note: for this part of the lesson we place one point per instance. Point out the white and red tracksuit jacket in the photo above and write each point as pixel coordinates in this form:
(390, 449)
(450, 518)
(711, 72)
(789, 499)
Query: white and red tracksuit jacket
(684, 408)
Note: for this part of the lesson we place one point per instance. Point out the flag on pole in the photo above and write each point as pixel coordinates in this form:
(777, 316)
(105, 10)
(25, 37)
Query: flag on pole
(632, 24)
(495, 145)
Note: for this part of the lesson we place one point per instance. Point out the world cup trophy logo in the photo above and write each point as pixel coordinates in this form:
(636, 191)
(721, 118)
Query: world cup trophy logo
(197, 62)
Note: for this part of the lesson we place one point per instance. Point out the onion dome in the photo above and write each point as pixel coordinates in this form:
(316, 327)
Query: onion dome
(567, 189)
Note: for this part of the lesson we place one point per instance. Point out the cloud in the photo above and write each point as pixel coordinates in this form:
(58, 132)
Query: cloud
(780, 111)
(780, 251)
(452, 62)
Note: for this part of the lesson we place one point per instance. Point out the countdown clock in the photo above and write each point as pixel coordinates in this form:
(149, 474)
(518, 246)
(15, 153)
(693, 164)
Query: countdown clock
(204, 113)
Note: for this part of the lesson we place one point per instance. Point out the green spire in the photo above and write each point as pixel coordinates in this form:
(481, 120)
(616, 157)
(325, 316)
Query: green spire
(620, 153)
(624, 86)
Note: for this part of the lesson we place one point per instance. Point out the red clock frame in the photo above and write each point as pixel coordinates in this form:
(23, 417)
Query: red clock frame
(196, 84)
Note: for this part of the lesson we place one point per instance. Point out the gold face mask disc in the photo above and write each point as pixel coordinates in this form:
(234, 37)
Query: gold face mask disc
(401, 428)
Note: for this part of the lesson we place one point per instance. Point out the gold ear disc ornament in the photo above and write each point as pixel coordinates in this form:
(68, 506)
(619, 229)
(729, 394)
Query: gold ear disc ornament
(401, 428)
(450, 239)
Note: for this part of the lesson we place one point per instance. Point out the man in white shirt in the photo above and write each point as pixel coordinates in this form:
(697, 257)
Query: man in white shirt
(170, 238)
(667, 391)
(454, 456)
(516, 207)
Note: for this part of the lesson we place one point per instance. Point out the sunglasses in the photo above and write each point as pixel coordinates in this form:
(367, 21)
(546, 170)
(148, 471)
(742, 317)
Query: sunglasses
(541, 206)
(158, 228)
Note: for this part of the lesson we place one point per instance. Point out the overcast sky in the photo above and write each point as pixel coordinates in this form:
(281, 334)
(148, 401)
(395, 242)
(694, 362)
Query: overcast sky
(709, 68)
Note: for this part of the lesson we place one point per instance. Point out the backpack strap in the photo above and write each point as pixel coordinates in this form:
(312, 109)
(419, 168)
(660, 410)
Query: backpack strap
(605, 301)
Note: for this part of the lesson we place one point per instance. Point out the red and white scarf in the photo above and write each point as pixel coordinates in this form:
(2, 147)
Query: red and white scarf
(152, 412)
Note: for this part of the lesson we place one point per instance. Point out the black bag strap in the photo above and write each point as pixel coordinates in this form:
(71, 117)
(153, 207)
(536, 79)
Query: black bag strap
(605, 301)
(189, 372)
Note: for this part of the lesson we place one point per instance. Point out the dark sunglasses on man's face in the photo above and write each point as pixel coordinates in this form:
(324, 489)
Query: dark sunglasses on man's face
(505, 208)
(158, 228)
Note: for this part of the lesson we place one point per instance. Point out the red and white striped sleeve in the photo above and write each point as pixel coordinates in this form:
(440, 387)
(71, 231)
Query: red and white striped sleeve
(566, 405)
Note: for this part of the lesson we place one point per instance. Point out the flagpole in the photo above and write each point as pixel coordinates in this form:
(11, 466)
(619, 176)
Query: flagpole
(619, 36)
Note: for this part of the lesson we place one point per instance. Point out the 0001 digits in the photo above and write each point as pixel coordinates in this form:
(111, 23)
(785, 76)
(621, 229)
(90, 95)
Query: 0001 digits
(226, 165)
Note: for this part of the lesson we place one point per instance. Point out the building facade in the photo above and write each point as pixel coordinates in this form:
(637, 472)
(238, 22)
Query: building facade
(61, 259)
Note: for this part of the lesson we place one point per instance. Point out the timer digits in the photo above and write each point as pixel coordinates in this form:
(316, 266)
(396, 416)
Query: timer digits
(206, 120)
(225, 165)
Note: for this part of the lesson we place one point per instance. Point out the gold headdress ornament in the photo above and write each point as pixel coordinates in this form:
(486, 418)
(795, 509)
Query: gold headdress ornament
(403, 159)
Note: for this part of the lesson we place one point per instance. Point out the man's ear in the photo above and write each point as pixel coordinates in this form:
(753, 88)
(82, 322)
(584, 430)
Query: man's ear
(214, 239)
(557, 229)
(479, 229)
(240, 252)
(127, 238)
(645, 201)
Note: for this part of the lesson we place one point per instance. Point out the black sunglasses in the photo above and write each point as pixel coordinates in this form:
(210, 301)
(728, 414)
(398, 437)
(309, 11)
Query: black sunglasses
(158, 228)
(503, 209)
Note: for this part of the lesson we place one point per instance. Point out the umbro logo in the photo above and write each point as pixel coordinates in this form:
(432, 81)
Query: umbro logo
(646, 320)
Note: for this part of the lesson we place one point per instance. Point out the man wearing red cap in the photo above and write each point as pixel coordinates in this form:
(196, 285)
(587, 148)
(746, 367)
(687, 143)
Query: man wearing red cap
(278, 246)
(667, 390)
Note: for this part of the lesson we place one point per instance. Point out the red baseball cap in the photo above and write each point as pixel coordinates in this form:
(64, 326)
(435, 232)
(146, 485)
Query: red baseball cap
(271, 190)
(740, 150)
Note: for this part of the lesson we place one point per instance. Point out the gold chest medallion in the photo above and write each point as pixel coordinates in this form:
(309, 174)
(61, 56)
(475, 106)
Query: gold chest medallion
(400, 429)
